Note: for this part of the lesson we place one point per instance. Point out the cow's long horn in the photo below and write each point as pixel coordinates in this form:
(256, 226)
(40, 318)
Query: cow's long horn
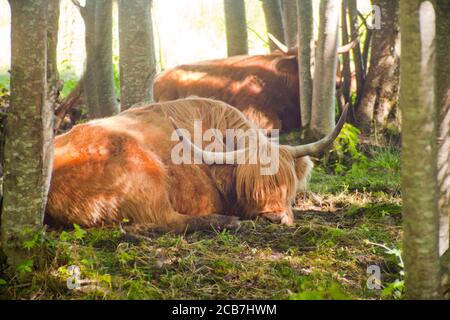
(315, 147)
(209, 157)
(283, 48)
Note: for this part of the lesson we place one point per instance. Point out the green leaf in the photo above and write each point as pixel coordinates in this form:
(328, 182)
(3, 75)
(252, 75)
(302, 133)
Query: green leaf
(79, 232)
(64, 236)
(32, 243)
(25, 266)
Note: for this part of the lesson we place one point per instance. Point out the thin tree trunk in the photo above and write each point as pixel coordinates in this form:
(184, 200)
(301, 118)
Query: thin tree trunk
(137, 52)
(367, 43)
(419, 186)
(98, 76)
(107, 100)
(236, 27)
(29, 130)
(346, 71)
(52, 48)
(357, 55)
(305, 41)
(90, 76)
(323, 113)
(290, 22)
(274, 21)
(443, 101)
(380, 93)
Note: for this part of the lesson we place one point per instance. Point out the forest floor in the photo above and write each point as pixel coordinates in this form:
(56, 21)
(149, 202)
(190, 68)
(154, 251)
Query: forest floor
(344, 224)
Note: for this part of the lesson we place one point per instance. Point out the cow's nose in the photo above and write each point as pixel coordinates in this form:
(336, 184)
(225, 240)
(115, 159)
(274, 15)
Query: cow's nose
(279, 217)
(287, 219)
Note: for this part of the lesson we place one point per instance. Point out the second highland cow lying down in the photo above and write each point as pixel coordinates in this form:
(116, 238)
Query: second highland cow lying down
(122, 167)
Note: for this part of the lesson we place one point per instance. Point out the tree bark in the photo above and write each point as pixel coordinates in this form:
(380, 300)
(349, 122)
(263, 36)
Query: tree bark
(274, 21)
(52, 49)
(357, 55)
(137, 52)
(29, 130)
(290, 22)
(419, 186)
(346, 70)
(324, 85)
(443, 101)
(99, 78)
(380, 93)
(305, 42)
(236, 27)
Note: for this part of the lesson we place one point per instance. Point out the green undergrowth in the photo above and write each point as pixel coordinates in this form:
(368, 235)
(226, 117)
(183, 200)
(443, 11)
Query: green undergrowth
(377, 172)
(345, 224)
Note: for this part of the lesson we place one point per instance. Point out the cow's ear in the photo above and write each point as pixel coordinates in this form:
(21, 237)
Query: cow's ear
(287, 64)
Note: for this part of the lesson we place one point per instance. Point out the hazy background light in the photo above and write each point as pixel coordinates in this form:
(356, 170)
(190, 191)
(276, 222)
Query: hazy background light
(185, 31)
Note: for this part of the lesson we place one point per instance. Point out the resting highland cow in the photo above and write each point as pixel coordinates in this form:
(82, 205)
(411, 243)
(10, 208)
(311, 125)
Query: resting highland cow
(264, 87)
(123, 167)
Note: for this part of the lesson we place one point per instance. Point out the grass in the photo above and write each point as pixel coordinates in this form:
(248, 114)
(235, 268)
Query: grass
(345, 224)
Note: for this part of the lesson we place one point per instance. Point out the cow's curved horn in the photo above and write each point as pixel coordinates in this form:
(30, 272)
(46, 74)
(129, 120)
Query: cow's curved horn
(283, 48)
(315, 147)
(209, 157)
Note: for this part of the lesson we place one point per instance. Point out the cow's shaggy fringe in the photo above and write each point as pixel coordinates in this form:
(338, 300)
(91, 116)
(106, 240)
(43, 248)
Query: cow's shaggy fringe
(250, 184)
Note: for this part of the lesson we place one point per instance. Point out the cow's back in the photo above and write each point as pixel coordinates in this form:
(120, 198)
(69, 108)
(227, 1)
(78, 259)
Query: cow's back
(250, 83)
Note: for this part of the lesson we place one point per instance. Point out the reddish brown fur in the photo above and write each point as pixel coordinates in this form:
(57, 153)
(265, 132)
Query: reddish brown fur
(264, 87)
(120, 167)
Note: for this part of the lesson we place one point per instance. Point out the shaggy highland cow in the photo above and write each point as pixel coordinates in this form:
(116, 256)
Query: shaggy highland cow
(122, 167)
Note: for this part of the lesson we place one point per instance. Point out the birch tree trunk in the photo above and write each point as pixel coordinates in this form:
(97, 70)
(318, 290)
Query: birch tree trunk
(346, 70)
(443, 101)
(236, 27)
(99, 78)
(290, 22)
(324, 85)
(137, 52)
(357, 55)
(305, 42)
(29, 130)
(274, 21)
(419, 186)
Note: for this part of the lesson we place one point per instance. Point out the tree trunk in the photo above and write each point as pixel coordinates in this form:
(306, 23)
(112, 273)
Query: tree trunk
(419, 186)
(236, 25)
(290, 22)
(443, 101)
(29, 130)
(274, 21)
(52, 48)
(357, 55)
(305, 41)
(99, 78)
(323, 113)
(380, 93)
(137, 52)
(346, 70)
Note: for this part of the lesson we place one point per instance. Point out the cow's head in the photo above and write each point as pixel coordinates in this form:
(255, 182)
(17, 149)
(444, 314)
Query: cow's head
(287, 61)
(255, 193)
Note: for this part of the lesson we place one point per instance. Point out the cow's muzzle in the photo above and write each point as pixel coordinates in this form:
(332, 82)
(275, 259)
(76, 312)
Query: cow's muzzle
(279, 218)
